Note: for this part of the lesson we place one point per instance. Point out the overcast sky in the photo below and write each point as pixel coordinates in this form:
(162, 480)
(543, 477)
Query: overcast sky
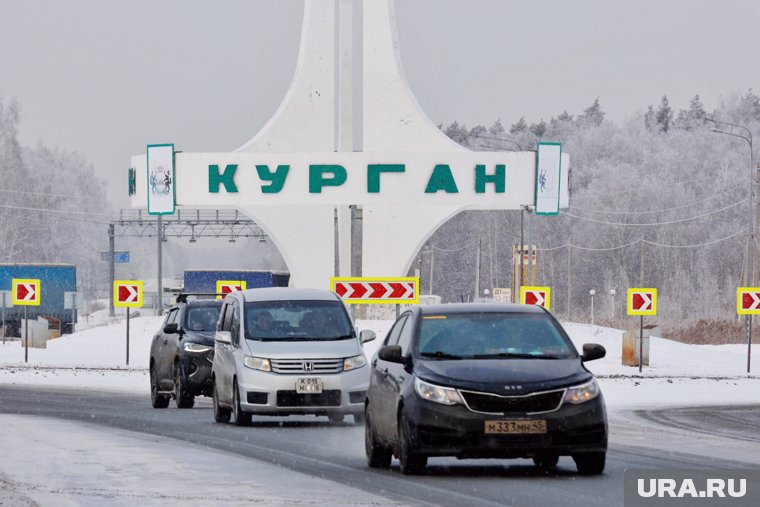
(105, 78)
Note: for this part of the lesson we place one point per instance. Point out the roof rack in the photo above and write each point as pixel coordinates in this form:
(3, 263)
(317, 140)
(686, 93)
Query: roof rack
(182, 296)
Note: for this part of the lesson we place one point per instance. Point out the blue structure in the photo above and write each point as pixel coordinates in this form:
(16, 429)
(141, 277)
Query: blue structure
(204, 280)
(55, 279)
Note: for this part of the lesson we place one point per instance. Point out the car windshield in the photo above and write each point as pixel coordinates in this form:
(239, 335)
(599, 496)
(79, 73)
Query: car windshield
(202, 318)
(297, 320)
(492, 336)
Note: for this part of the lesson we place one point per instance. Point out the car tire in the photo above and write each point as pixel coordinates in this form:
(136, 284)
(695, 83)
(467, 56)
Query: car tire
(410, 461)
(221, 414)
(241, 418)
(546, 461)
(336, 418)
(591, 463)
(156, 399)
(378, 455)
(182, 398)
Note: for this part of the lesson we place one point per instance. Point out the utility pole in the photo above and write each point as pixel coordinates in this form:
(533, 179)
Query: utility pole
(569, 281)
(432, 264)
(111, 268)
(477, 271)
(641, 262)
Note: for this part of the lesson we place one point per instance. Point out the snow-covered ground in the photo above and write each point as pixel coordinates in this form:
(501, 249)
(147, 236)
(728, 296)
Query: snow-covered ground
(678, 374)
(68, 463)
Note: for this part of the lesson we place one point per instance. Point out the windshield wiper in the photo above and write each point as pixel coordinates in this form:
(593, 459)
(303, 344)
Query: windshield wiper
(511, 355)
(440, 355)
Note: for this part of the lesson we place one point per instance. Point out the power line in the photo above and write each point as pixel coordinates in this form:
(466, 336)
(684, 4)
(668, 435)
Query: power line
(87, 197)
(454, 249)
(50, 210)
(659, 210)
(635, 242)
(669, 222)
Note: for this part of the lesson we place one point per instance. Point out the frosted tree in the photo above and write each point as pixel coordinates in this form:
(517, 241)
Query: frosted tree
(664, 115)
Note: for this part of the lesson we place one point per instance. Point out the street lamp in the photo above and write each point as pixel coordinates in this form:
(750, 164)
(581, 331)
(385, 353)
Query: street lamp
(592, 293)
(612, 304)
(751, 232)
(523, 209)
(751, 253)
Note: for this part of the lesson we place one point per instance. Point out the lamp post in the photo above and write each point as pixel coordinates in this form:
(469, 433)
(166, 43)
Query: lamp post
(523, 209)
(751, 237)
(612, 304)
(751, 232)
(592, 293)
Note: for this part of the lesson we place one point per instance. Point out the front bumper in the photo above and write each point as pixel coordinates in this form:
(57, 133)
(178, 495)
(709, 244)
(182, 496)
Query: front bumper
(197, 368)
(274, 393)
(440, 430)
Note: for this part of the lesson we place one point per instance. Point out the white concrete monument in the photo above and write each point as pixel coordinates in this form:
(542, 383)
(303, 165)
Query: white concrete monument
(319, 154)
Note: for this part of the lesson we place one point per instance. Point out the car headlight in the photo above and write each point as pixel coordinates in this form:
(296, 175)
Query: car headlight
(352, 363)
(196, 347)
(257, 363)
(583, 392)
(437, 394)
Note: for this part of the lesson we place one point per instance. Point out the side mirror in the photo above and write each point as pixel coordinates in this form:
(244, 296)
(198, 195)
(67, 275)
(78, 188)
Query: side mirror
(592, 351)
(223, 337)
(366, 335)
(391, 353)
(172, 328)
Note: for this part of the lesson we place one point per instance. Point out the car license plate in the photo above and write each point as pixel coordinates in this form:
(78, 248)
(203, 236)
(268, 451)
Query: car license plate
(516, 427)
(309, 385)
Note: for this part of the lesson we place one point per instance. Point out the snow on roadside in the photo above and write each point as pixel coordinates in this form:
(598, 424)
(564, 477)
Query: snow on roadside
(679, 374)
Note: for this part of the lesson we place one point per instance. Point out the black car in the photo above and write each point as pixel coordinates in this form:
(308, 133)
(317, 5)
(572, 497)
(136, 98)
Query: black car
(182, 353)
(483, 381)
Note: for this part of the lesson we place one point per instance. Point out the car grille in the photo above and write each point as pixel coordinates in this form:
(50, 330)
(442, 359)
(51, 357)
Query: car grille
(329, 398)
(534, 403)
(308, 366)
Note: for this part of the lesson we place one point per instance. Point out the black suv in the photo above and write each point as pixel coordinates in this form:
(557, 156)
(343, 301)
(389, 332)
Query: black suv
(182, 352)
(483, 381)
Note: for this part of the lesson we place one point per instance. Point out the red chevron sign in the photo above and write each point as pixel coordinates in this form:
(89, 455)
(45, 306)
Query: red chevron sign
(642, 301)
(26, 292)
(377, 290)
(748, 301)
(128, 293)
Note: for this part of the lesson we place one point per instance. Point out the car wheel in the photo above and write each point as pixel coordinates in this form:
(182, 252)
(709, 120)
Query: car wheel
(410, 461)
(241, 418)
(590, 463)
(546, 461)
(336, 418)
(378, 455)
(157, 400)
(221, 414)
(181, 396)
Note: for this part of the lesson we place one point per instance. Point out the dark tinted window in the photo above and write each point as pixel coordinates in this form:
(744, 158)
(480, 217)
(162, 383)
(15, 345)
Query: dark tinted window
(227, 317)
(201, 318)
(405, 338)
(492, 335)
(235, 323)
(297, 320)
(393, 334)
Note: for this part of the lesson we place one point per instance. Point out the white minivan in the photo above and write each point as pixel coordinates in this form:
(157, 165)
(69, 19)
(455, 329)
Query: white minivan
(283, 351)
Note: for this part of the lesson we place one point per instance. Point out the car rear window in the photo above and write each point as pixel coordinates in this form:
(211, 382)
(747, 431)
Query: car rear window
(297, 320)
(492, 335)
(202, 318)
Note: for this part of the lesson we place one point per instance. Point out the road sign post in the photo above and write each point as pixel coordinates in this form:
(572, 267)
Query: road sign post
(353, 290)
(539, 296)
(641, 302)
(748, 303)
(128, 294)
(26, 292)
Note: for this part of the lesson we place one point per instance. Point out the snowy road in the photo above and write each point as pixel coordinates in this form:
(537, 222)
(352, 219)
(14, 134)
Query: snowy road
(114, 449)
